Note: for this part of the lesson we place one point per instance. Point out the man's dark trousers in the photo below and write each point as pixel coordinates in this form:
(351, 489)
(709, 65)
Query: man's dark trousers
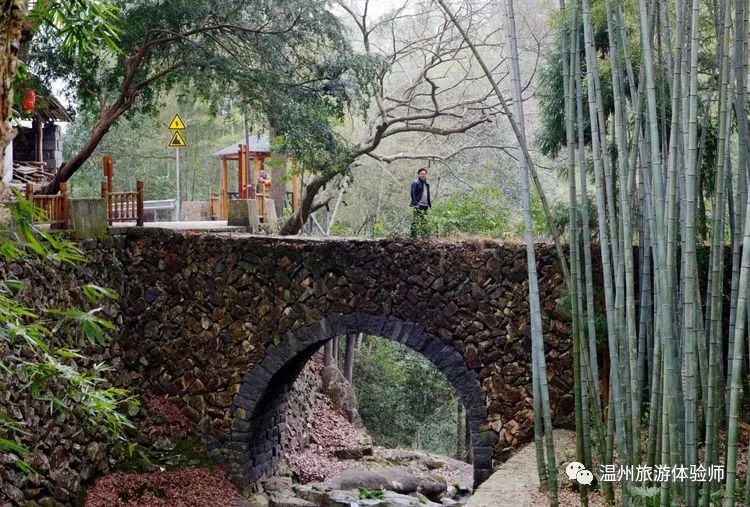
(419, 222)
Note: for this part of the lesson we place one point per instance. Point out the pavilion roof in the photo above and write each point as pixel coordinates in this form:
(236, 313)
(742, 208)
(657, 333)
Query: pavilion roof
(260, 143)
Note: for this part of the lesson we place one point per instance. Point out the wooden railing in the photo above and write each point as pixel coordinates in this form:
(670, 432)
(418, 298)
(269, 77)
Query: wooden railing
(55, 207)
(124, 206)
(218, 207)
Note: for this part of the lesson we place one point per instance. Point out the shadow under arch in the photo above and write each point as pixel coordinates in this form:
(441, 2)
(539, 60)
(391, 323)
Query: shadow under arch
(257, 409)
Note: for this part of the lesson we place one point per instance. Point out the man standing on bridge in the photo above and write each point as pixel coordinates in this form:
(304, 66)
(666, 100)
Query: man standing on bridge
(420, 201)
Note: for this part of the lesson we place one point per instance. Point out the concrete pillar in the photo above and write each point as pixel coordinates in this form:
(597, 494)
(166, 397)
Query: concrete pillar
(238, 210)
(270, 219)
(89, 217)
(8, 163)
(244, 213)
(253, 216)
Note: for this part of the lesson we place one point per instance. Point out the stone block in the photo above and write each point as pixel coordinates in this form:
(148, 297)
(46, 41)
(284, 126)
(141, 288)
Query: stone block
(374, 325)
(392, 329)
(194, 211)
(481, 454)
(406, 330)
(238, 213)
(272, 362)
(89, 217)
(486, 438)
(260, 376)
(416, 341)
(244, 213)
(239, 424)
(450, 358)
(338, 323)
(432, 350)
(270, 220)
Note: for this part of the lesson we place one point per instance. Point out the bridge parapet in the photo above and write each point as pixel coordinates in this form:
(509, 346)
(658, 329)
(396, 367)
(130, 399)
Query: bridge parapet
(224, 325)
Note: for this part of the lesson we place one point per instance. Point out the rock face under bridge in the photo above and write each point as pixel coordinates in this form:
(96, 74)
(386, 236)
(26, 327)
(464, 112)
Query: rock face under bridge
(225, 324)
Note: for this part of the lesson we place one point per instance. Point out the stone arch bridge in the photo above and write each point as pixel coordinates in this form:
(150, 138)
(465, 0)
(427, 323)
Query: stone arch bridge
(224, 324)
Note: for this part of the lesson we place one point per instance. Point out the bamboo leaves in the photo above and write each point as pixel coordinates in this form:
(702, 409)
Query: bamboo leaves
(669, 155)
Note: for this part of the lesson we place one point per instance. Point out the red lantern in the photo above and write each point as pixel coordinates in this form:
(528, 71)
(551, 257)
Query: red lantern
(29, 100)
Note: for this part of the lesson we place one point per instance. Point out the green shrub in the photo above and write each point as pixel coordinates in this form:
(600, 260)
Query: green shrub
(29, 340)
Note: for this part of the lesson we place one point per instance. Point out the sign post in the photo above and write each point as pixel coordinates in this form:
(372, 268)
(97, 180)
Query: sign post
(177, 142)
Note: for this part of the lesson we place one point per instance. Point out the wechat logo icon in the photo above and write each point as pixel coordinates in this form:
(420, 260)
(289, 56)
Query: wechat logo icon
(578, 473)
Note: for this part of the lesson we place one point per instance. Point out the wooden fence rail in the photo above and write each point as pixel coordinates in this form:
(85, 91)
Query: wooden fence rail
(124, 206)
(55, 208)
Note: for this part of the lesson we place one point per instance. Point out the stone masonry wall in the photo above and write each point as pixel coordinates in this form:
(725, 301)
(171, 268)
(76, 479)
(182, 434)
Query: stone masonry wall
(223, 325)
(63, 453)
(301, 406)
(203, 312)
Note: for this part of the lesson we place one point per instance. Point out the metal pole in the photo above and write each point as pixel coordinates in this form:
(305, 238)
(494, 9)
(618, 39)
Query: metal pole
(177, 174)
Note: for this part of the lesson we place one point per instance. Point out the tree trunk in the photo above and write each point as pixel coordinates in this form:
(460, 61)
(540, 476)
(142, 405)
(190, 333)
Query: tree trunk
(335, 351)
(12, 16)
(328, 353)
(294, 223)
(351, 341)
(468, 454)
(108, 118)
(460, 431)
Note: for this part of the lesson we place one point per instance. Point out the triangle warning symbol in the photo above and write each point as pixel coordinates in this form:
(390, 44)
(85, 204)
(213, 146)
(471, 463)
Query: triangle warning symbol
(178, 141)
(177, 123)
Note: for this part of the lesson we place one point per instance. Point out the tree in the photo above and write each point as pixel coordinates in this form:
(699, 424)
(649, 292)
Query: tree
(262, 54)
(424, 90)
(403, 399)
(80, 24)
(542, 410)
(667, 141)
(351, 341)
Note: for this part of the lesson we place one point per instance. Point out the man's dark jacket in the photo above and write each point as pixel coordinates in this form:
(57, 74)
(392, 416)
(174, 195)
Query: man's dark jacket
(417, 187)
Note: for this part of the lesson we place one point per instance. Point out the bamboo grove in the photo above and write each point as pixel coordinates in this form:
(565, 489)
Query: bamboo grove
(654, 115)
(675, 365)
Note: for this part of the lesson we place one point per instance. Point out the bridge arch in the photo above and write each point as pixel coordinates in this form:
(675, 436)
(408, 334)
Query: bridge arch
(257, 409)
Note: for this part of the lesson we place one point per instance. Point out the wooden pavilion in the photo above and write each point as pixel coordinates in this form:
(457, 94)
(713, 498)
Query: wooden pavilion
(258, 150)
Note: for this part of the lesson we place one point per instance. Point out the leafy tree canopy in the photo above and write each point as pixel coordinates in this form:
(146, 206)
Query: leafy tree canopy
(286, 60)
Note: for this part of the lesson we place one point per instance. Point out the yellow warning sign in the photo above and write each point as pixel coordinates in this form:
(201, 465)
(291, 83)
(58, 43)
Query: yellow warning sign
(177, 123)
(178, 141)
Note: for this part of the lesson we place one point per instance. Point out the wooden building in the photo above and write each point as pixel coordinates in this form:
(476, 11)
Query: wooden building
(35, 153)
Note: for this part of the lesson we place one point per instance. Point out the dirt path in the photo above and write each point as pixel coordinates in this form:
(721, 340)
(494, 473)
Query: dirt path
(516, 481)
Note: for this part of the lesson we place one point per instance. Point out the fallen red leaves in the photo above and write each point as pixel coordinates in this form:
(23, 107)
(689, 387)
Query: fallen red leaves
(189, 487)
(330, 431)
(166, 419)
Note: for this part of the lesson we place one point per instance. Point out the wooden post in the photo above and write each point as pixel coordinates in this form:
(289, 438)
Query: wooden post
(139, 203)
(239, 171)
(39, 131)
(244, 191)
(224, 192)
(109, 171)
(107, 203)
(64, 208)
(29, 191)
